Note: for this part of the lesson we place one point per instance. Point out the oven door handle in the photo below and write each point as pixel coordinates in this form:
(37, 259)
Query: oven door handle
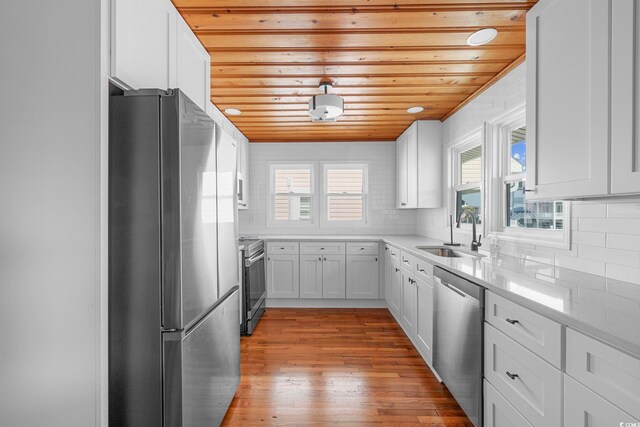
(251, 261)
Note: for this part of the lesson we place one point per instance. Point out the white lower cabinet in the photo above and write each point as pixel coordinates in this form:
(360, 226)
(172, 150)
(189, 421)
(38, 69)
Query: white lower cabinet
(498, 412)
(362, 277)
(310, 276)
(334, 277)
(424, 321)
(584, 408)
(409, 305)
(283, 276)
(530, 384)
(394, 298)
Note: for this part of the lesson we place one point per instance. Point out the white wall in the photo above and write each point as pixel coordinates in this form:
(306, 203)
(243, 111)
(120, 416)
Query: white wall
(381, 157)
(605, 233)
(51, 213)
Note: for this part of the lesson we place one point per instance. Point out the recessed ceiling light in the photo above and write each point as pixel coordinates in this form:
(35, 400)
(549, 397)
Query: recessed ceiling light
(414, 110)
(233, 111)
(482, 36)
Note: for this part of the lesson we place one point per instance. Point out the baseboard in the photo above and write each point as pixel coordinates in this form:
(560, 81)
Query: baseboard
(326, 303)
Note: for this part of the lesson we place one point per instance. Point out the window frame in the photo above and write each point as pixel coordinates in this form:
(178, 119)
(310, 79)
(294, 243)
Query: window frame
(498, 137)
(313, 201)
(324, 204)
(471, 140)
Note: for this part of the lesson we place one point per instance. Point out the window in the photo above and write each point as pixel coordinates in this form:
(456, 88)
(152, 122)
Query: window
(345, 193)
(291, 197)
(467, 181)
(515, 217)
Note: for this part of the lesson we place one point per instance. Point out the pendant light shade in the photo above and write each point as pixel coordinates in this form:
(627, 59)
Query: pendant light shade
(326, 107)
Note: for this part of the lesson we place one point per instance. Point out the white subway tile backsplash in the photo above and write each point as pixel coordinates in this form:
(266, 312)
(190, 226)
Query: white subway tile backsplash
(626, 274)
(580, 264)
(610, 256)
(627, 242)
(588, 210)
(588, 238)
(624, 210)
(610, 225)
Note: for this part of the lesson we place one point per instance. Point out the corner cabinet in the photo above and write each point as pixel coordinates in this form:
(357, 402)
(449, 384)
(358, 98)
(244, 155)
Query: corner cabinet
(582, 99)
(362, 277)
(419, 166)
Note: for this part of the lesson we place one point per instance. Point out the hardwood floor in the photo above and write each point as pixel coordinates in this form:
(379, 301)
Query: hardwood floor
(337, 367)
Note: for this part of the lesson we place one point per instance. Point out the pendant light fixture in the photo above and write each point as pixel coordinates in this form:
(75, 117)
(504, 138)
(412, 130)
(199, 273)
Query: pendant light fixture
(326, 107)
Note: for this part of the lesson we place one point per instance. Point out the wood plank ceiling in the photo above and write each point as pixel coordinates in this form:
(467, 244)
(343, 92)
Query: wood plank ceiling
(383, 56)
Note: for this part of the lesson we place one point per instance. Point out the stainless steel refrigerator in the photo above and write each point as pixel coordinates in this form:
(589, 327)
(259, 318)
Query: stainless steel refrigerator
(173, 313)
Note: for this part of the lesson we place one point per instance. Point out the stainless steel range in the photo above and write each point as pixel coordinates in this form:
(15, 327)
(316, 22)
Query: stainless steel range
(253, 283)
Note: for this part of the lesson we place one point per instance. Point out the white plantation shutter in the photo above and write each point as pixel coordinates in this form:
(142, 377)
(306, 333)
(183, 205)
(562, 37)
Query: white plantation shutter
(345, 192)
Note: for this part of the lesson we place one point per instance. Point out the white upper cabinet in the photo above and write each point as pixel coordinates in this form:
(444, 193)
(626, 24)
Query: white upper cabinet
(583, 98)
(568, 99)
(153, 47)
(193, 65)
(418, 165)
(143, 43)
(625, 97)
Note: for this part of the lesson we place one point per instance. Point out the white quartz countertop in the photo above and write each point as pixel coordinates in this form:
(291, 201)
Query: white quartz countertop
(606, 309)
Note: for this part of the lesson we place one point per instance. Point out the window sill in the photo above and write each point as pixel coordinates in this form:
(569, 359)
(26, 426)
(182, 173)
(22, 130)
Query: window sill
(560, 240)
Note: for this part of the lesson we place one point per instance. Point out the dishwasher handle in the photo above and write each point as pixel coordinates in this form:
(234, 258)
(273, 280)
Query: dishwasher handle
(456, 290)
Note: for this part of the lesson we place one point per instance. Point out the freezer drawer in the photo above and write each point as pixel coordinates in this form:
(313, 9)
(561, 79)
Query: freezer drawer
(202, 368)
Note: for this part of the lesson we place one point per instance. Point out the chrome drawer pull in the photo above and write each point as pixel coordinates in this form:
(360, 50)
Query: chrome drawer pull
(421, 270)
(397, 269)
(512, 376)
(513, 322)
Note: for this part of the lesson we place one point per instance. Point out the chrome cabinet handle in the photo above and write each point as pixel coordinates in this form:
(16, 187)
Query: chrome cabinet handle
(403, 204)
(397, 269)
(512, 376)
(325, 258)
(362, 249)
(319, 258)
(392, 254)
(386, 248)
(322, 249)
(512, 321)
(421, 270)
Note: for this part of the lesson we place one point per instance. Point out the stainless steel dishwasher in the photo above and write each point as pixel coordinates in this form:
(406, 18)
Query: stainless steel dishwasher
(458, 336)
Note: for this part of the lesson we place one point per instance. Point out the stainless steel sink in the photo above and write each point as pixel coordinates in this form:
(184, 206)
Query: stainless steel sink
(447, 252)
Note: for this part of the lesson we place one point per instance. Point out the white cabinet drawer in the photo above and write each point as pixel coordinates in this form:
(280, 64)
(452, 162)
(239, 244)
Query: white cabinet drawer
(362, 248)
(424, 270)
(408, 261)
(282, 247)
(584, 408)
(498, 412)
(538, 333)
(530, 384)
(321, 248)
(607, 371)
(393, 253)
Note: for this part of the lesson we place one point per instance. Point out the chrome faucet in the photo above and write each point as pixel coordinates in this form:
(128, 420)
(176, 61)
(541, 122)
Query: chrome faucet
(466, 210)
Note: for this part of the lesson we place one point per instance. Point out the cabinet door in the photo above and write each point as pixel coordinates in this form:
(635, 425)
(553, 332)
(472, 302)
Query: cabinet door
(388, 268)
(568, 99)
(498, 412)
(409, 305)
(584, 408)
(401, 172)
(424, 321)
(395, 290)
(412, 166)
(625, 97)
(310, 276)
(362, 277)
(143, 43)
(283, 276)
(333, 276)
(193, 65)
